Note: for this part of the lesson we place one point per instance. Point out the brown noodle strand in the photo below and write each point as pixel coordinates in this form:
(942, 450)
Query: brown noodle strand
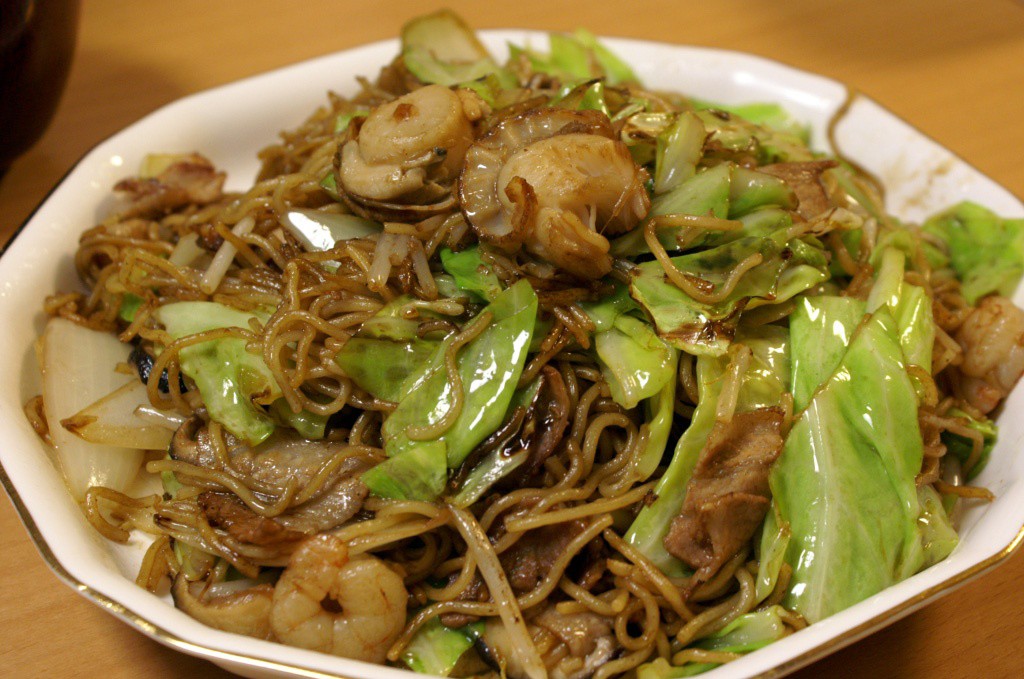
(446, 421)
(658, 579)
(717, 617)
(522, 524)
(972, 492)
(698, 288)
(156, 564)
(218, 479)
(579, 486)
(554, 574)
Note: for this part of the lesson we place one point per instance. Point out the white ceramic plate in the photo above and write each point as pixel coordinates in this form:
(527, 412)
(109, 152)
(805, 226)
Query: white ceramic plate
(229, 124)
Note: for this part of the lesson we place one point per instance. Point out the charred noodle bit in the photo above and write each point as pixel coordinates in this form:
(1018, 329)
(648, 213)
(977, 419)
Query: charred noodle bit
(563, 517)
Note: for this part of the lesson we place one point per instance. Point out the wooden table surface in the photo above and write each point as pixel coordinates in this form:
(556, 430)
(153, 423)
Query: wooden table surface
(955, 69)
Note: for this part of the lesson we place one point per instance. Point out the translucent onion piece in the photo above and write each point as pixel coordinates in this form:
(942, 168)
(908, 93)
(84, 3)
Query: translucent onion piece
(113, 420)
(168, 419)
(78, 369)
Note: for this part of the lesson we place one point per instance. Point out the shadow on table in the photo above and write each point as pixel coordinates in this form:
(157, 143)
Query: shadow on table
(103, 95)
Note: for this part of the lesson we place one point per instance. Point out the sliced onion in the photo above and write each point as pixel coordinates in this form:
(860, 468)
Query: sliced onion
(114, 420)
(78, 369)
(168, 419)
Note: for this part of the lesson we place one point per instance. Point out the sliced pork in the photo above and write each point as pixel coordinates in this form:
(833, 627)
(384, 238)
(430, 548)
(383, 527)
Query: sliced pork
(728, 495)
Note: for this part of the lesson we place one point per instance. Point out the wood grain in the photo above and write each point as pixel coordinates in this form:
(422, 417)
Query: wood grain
(954, 69)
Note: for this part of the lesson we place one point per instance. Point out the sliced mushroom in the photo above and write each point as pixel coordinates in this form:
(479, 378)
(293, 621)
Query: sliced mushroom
(389, 211)
(554, 181)
(543, 427)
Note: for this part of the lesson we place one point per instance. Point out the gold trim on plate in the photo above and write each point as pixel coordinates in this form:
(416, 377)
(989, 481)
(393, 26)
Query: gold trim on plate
(129, 616)
(207, 652)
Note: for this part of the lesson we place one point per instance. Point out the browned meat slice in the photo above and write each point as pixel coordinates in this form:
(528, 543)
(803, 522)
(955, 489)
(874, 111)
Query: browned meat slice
(525, 564)
(529, 560)
(805, 180)
(187, 180)
(330, 509)
(728, 495)
(284, 458)
(225, 510)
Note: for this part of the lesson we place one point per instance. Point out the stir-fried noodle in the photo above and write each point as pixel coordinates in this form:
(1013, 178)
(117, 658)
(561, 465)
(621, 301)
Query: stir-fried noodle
(529, 541)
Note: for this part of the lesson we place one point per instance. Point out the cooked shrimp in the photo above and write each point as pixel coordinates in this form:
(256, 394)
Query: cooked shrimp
(992, 337)
(327, 602)
(554, 181)
(408, 149)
